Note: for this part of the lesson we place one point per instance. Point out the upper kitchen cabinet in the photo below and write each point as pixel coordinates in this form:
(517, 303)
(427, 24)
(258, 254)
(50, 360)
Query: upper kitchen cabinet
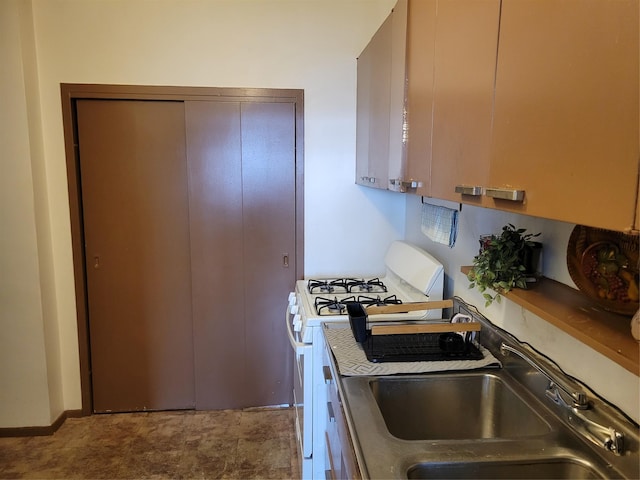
(464, 72)
(440, 99)
(418, 121)
(565, 130)
(380, 103)
(372, 117)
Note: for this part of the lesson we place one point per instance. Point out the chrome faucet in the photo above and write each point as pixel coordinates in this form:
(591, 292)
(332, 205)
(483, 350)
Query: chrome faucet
(579, 399)
(606, 437)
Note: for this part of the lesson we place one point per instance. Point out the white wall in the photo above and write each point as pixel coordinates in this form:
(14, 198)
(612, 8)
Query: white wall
(30, 382)
(306, 44)
(602, 375)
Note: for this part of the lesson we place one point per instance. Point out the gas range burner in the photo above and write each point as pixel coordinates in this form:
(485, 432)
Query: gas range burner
(370, 286)
(377, 301)
(346, 285)
(327, 286)
(328, 306)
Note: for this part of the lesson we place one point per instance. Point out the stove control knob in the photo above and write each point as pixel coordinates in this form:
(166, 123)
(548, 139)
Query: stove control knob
(297, 323)
(292, 298)
(294, 309)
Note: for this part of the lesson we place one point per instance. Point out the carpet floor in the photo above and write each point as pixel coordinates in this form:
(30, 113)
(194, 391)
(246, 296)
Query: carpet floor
(229, 444)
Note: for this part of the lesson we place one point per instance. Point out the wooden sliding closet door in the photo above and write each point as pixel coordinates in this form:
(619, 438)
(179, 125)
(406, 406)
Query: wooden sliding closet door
(215, 190)
(136, 226)
(268, 179)
(241, 158)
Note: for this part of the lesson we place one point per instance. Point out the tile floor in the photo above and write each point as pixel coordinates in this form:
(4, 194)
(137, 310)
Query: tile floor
(230, 444)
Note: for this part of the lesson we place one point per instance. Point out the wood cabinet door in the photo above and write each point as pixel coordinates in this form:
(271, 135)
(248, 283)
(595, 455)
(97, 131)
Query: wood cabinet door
(397, 94)
(566, 110)
(465, 61)
(136, 234)
(373, 104)
(363, 121)
(421, 31)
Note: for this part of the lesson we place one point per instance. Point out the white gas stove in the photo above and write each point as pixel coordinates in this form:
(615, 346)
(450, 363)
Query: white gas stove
(412, 275)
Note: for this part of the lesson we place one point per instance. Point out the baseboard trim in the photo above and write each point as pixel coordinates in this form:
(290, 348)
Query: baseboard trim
(40, 431)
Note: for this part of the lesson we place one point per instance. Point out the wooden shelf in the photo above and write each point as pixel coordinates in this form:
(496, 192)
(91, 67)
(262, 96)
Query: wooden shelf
(574, 313)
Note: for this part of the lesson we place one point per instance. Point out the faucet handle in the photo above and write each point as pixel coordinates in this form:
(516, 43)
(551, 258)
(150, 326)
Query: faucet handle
(606, 437)
(580, 400)
(615, 441)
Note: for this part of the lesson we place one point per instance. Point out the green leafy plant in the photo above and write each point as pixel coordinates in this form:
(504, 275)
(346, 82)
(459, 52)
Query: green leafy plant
(500, 265)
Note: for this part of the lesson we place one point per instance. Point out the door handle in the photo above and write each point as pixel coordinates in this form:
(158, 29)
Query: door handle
(285, 260)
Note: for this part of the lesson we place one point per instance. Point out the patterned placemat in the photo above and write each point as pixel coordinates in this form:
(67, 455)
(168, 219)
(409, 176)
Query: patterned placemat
(352, 361)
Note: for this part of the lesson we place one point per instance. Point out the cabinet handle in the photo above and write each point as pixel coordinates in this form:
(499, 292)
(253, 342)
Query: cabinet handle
(505, 194)
(368, 179)
(332, 417)
(399, 185)
(472, 190)
(326, 372)
(413, 184)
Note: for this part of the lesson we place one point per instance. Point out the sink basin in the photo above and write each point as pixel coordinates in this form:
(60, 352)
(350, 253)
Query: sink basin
(454, 407)
(540, 469)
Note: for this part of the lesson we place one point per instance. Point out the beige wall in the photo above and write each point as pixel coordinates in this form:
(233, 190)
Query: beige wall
(30, 381)
(308, 44)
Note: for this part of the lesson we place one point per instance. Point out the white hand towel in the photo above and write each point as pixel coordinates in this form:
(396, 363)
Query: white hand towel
(440, 224)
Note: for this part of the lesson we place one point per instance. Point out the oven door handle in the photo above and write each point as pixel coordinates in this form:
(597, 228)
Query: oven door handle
(297, 346)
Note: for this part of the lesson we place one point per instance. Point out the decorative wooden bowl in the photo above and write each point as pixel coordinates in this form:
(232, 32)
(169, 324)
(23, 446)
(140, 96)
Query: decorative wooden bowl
(604, 266)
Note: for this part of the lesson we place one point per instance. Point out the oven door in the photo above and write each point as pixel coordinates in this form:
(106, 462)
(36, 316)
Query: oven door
(301, 385)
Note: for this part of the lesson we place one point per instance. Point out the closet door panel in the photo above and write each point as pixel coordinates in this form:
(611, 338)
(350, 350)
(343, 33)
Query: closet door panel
(136, 234)
(216, 227)
(268, 178)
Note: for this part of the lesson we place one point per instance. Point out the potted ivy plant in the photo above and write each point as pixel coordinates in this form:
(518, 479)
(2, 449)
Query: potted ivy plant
(505, 261)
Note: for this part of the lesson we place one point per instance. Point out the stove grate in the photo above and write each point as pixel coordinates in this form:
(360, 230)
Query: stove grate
(332, 306)
(368, 301)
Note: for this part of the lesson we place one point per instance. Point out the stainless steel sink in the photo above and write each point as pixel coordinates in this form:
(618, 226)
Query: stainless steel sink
(535, 469)
(469, 406)
(480, 424)
(527, 419)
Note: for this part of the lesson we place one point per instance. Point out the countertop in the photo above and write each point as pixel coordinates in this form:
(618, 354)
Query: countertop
(381, 455)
